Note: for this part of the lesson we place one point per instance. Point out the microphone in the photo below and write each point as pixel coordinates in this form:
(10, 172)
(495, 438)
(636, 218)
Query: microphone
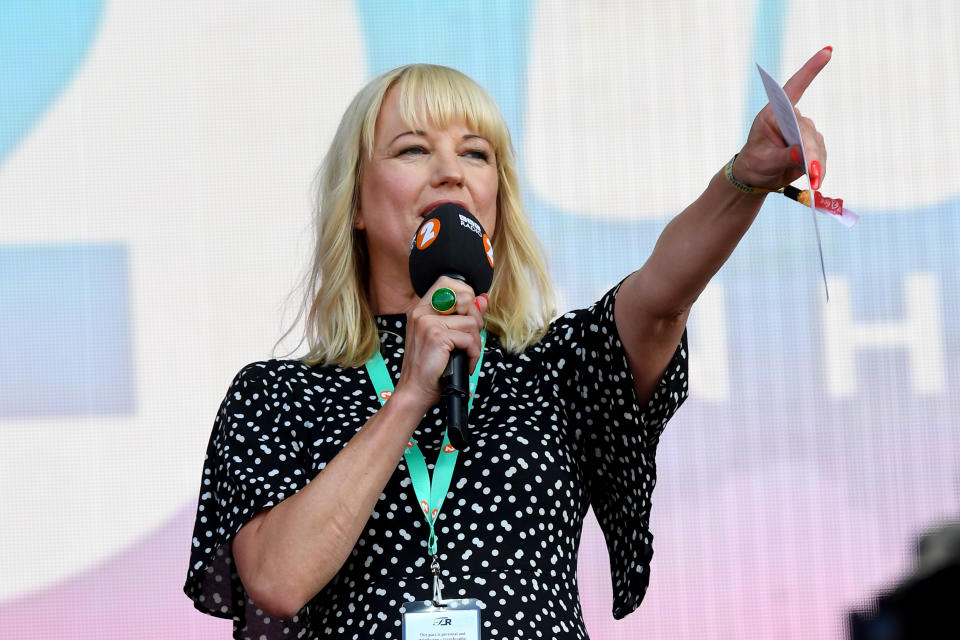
(451, 242)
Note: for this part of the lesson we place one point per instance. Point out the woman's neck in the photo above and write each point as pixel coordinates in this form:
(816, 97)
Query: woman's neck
(388, 296)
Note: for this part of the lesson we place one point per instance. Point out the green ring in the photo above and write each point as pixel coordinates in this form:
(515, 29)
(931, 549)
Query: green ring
(443, 299)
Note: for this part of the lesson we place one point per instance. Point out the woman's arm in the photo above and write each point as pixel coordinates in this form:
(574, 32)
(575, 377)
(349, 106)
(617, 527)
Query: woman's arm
(287, 553)
(653, 303)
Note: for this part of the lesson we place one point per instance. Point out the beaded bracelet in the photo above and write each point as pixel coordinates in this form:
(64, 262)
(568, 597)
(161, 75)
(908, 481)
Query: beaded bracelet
(728, 172)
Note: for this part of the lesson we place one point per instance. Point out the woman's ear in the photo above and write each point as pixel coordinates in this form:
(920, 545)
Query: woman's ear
(358, 222)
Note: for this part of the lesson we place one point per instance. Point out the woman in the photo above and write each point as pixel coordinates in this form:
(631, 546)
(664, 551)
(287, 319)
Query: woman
(307, 526)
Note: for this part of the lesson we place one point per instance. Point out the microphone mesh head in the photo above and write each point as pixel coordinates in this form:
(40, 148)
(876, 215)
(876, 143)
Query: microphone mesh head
(450, 241)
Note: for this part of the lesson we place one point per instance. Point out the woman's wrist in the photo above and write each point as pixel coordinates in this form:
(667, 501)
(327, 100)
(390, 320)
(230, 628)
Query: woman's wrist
(724, 200)
(404, 404)
(742, 187)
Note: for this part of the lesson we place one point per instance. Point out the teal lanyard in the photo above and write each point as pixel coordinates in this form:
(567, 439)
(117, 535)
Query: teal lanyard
(430, 494)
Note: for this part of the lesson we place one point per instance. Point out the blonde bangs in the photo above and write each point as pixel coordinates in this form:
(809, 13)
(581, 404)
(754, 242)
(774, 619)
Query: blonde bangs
(442, 96)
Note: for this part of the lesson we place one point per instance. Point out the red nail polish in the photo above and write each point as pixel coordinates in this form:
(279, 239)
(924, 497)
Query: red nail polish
(828, 48)
(815, 175)
(476, 302)
(795, 155)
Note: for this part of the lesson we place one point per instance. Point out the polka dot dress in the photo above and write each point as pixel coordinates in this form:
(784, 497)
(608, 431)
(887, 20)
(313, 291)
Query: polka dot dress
(554, 430)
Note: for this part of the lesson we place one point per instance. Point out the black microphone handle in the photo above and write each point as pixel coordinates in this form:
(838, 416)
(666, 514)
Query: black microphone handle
(454, 384)
(455, 393)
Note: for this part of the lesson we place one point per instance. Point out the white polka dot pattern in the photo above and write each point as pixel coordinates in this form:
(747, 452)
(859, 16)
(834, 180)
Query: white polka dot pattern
(554, 430)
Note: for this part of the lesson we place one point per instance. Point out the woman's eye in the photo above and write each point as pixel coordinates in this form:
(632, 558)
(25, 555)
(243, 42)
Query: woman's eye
(478, 154)
(414, 151)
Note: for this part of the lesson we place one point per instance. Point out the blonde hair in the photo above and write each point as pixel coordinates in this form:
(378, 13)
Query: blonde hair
(339, 321)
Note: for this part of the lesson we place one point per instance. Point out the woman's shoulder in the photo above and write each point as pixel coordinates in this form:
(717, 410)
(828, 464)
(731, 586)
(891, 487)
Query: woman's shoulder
(273, 369)
(283, 375)
(284, 388)
(571, 327)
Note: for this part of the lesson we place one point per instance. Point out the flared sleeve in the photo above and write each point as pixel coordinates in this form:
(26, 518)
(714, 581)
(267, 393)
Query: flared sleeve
(253, 461)
(617, 437)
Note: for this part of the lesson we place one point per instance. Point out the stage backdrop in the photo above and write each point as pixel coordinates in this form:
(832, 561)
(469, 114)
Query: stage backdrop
(155, 190)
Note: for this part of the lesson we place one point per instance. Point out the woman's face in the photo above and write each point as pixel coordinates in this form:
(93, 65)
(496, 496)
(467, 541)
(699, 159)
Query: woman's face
(411, 172)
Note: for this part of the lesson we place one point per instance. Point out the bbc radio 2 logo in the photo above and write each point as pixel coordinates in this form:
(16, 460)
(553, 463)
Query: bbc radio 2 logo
(428, 233)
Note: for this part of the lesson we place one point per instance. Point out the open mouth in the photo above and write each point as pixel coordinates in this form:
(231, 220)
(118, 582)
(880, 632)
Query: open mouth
(440, 203)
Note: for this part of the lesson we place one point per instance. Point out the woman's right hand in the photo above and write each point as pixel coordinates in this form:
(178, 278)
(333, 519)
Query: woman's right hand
(431, 337)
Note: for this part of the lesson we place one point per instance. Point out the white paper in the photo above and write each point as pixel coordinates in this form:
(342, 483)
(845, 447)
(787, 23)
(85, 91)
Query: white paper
(848, 218)
(790, 130)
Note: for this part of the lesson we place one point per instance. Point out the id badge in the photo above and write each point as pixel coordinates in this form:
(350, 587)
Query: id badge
(457, 619)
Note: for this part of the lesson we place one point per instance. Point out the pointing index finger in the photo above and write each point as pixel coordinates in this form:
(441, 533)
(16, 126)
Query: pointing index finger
(799, 82)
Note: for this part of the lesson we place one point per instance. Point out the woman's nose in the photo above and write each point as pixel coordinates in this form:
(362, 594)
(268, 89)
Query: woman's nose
(447, 169)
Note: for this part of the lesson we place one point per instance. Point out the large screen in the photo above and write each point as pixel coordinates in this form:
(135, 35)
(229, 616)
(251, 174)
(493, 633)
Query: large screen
(156, 185)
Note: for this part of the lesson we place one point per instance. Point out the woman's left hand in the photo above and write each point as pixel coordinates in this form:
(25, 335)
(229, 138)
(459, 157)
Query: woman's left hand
(766, 161)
